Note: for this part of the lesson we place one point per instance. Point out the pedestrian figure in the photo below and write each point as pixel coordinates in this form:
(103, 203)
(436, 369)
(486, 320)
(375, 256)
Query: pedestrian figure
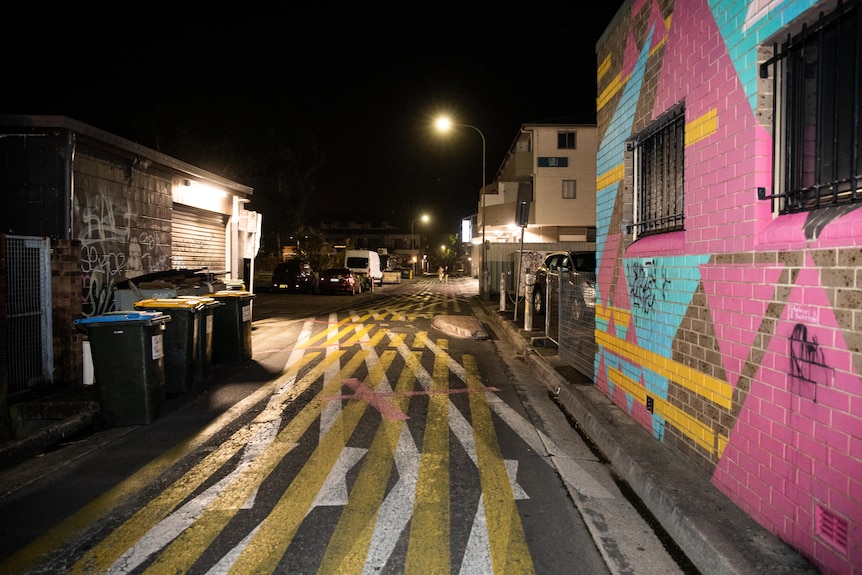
(446, 274)
(440, 274)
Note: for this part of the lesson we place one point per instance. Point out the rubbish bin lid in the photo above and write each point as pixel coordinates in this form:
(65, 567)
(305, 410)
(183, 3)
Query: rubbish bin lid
(124, 316)
(205, 301)
(231, 293)
(168, 303)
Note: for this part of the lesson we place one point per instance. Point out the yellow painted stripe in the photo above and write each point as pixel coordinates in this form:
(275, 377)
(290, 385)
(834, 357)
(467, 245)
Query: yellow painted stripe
(615, 85)
(348, 546)
(701, 127)
(690, 426)
(377, 337)
(604, 67)
(185, 549)
(622, 317)
(334, 339)
(359, 335)
(312, 341)
(107, 502)
(509, 550)
(420, 340)
(708, 387)
(396, 339)
(428, 547)
(610, 177)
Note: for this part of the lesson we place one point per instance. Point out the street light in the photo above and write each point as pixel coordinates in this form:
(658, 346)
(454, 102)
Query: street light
(444, 124)
(424, 218)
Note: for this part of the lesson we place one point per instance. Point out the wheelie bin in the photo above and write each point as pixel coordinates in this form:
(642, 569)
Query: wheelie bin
(232, 326)
(128, 364)
(205, 336)
(181, 340)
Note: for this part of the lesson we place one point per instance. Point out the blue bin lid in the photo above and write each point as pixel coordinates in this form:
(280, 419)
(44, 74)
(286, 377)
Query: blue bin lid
(124, 316)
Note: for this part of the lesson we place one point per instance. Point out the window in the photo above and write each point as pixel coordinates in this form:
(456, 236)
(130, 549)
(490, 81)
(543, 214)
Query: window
(570, 189)
(658, 161)
(567, 140)
(816, 114)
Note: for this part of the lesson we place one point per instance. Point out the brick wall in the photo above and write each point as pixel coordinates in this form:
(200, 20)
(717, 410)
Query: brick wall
(735, 342)
(66, 300)
(122, 219)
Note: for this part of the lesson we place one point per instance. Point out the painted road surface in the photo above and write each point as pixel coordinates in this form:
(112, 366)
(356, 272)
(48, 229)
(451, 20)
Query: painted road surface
(378, 445)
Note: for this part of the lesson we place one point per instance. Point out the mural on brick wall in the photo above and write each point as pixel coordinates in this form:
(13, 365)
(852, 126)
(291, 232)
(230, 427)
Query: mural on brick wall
(113, 248)
(736, 341)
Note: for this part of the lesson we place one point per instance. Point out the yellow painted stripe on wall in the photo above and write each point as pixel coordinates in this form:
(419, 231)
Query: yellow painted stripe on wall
(604, 67)
(622, 317)
(613, 87)
(690, 426)
(701, 127)
(710, 388)
(610, 177)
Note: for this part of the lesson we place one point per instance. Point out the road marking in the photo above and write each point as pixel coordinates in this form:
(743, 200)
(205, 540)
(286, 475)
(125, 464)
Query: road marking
(179, 555)
(174, 524)
(101, 556)
(397, 508)
(388, 410)
(348, 547)
(568, 468)
(334, 490)
(266, 548)
(428, 546)
(509, 550)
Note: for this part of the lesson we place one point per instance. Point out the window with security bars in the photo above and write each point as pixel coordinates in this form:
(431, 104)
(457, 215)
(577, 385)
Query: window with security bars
(570, 189)
(816, 113)
(659, 161)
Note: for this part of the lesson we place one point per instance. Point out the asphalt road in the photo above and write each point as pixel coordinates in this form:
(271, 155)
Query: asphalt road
(359, 439)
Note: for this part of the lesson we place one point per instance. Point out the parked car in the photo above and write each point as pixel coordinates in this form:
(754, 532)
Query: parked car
(339, 280)
(562, 263)
(294, 275)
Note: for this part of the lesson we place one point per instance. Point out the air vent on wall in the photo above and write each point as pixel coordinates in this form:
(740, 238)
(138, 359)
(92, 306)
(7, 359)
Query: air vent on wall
(831, 528)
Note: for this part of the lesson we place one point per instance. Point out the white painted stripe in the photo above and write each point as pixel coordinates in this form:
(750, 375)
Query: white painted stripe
(334, 490)
(397, 508)
(332, 409)
(477, 555)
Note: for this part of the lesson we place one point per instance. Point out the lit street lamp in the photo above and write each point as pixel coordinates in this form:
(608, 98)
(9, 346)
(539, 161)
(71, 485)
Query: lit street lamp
(444, 124)
(424, 218)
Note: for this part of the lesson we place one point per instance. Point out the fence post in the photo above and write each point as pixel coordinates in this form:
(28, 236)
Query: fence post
(503, 291)
(530, 282)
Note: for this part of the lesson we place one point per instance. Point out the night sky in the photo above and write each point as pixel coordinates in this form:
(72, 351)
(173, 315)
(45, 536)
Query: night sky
(363, 82)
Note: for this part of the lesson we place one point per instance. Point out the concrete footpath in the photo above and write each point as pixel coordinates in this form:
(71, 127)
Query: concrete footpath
(715, 534)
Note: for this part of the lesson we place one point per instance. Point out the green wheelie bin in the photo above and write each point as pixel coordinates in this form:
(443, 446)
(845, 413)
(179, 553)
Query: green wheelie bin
(205, 336)
(232, 326)
(181, 340)
(128, 364)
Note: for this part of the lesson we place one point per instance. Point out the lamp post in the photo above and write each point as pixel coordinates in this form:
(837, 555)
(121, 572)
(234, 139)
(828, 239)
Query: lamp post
(424, 218)
(444, 124)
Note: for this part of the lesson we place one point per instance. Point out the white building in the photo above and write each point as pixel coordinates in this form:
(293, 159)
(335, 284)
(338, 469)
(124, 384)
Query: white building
(551, 169)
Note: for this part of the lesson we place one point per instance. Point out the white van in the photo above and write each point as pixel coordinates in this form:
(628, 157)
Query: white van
(365, 263)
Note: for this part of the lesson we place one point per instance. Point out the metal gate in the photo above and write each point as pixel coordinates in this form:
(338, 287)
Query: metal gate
(29, 339)
(198, 239)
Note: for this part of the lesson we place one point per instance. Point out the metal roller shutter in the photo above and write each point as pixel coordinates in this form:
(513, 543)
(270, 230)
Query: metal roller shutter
(198, 238)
